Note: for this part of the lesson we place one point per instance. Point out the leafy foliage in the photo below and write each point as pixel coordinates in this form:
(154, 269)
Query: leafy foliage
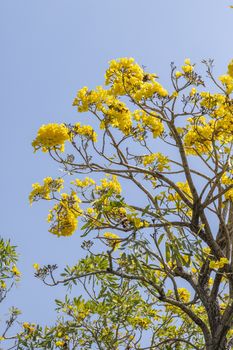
(9, 276)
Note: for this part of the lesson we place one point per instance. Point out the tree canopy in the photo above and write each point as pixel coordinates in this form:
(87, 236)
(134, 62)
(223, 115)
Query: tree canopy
(149, 187)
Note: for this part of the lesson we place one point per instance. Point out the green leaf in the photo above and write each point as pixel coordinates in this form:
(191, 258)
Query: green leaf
(145, 211)
(167, 251)
(161, 238)
(85, 226)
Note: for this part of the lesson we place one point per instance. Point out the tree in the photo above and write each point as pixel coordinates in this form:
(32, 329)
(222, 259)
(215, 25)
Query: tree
(158, 273)
(9, 276)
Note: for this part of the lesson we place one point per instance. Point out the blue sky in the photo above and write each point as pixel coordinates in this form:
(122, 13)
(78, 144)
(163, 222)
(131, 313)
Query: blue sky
(50, 49)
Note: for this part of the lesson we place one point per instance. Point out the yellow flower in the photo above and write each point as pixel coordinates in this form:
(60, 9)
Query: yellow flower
(51, 137)
(184, 294)
(187, 61)
(214, 264)
(26, 325)
(3, 284)
(211, 281)
(184, 187)
(60, 343)
(178, 74)
(149, 159)
(36, 266)
(224, 261)
(15, 270)
(193, 91)
(29, 327)
(85, 130)
(90, 211)
(113, 240)
(187, 69)
(175, 94)
(137, 222)
(179, 130)
(206, 250)
(219, 263)
(140, 322)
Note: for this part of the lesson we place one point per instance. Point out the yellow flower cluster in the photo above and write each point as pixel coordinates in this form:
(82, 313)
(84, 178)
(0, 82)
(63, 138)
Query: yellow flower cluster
(226, 180)
(184, 187)
(149, 90)
(118, 212)
(161, 160)
(220, 126)
(227, 81)
(109, 184)
(117, 115)
(85, 130)
(79, 310)
(137, 222)
(127, 77)
(121, 211)
(148, 159)
(211, 101)
(113, 240)
(141, 322)
(44, 191)
(86, 99)
(123, 75)
(184, 294)
(198, 139)
(219, 263)
(29, 327)
(51, 137)
(90, 211)
(188, 67)
(148, 121)
(83, 183)
(115, 112)
(64, 215)
(173, 196)
(223, 126)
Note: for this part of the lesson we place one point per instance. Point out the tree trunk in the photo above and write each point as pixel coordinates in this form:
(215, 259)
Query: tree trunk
(220, 345)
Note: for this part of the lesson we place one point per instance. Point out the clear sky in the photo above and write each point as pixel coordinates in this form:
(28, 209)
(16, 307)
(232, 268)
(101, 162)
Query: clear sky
(50, 49)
